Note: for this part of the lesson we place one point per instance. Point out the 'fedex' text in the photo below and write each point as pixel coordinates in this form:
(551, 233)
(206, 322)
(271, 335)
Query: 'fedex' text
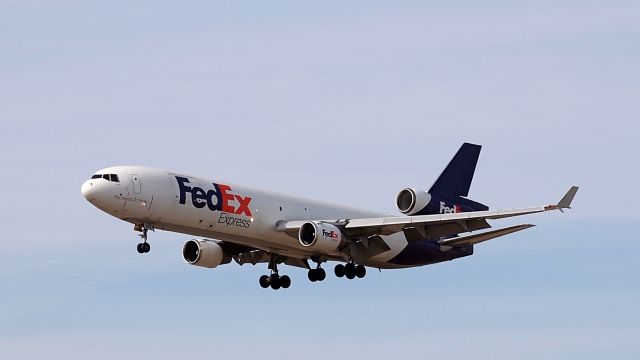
(329, 234)
(220, 198)
(444, 209)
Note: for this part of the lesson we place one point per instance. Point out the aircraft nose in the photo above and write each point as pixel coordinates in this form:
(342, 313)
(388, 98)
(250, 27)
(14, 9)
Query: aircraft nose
(88, 190)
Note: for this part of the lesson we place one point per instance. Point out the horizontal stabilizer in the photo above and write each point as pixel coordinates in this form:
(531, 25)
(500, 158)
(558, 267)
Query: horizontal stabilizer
(478, 238)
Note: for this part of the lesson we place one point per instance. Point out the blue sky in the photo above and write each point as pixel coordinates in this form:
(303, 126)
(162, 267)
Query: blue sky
(344, 102)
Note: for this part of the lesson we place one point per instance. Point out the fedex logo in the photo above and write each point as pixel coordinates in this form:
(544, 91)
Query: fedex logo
(329, 234)
(220, 198)
(444, 209)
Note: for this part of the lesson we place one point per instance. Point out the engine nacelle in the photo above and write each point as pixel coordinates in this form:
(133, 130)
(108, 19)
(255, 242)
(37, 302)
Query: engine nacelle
(411, 201)
(320, 236)
(204, 253)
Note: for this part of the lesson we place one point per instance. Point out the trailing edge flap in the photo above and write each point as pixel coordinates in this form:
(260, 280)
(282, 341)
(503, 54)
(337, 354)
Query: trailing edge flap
(478, 238)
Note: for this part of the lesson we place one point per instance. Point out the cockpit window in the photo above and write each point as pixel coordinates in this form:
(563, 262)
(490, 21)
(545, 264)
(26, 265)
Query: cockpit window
(108, 177)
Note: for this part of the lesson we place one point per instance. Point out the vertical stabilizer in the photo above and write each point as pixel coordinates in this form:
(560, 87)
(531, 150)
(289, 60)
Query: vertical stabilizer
(456, 178)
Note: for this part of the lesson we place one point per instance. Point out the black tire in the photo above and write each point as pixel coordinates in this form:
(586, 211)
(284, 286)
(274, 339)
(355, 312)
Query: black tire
(146, 247)
(321, 274)
(265, 281)
(350, 271)
(285, 282)
(339, 270)
(312, 275)
(361, 271)
(140, 250)
(275, 281)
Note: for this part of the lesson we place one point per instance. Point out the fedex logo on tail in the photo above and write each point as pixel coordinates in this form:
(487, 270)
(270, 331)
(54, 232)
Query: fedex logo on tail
(444, 209)
(220, 198)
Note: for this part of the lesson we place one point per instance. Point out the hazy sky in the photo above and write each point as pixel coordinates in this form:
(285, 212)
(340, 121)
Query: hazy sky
(347, 102)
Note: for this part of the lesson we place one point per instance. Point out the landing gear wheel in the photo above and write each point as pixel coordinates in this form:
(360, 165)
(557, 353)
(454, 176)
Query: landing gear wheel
(361, 271)
(285, 281)
(321, 274)
(265, 281)
(275, 281)
(143, 248)
(350, 271)
(313, 275)
(316, 274)
(339, 270)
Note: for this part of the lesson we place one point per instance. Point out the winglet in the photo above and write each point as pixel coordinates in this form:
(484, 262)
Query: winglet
(565, 202)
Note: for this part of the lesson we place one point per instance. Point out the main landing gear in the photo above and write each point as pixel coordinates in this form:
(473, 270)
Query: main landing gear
(350, 271)
(274, 280)
(317, 274)
(144, 246)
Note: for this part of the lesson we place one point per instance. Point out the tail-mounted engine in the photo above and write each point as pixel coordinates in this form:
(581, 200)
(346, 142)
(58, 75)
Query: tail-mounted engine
(320, 236)
(416, 202)
(411, 201)
(204, 253)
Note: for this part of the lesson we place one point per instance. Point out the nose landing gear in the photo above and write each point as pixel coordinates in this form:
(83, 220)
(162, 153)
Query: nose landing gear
(144, 246)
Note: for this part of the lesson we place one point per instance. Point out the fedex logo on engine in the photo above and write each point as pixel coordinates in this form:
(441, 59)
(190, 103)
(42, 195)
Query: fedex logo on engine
(329, 234)
(220, 198)
(444, 209)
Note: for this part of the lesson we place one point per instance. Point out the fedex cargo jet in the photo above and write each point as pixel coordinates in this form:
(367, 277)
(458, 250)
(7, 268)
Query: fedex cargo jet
(248, 225)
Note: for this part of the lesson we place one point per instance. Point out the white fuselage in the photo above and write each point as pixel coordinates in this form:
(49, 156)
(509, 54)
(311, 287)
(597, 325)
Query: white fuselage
(214, 209)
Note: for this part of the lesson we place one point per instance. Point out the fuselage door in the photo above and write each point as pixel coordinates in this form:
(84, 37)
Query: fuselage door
(137, 186)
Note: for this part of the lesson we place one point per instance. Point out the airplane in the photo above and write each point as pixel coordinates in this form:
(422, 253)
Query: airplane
(251, 226)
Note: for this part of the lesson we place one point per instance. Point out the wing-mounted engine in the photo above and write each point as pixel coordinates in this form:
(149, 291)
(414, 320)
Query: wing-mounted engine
(204, 253)
(320, 236)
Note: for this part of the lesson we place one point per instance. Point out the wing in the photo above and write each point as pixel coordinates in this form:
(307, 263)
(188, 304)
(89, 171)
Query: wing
(433, 226)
